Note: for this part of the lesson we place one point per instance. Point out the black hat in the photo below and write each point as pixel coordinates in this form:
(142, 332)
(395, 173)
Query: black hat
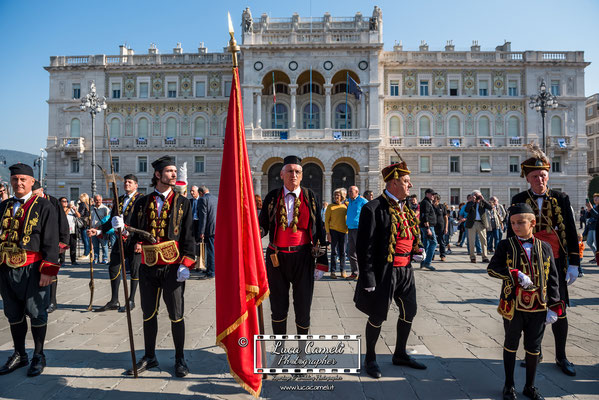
(292, 160)
(520, 208)
(163, 162)
(131, 177)
(429, 190)
(36, 185)
(21, 169)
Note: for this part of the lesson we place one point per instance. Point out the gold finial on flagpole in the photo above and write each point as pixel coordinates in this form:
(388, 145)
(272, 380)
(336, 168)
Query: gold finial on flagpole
(233, 48)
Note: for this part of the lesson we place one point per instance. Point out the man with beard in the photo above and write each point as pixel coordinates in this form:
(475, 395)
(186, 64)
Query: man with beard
(132, 258)
(555, 225)
(166, 215)
(388, 242)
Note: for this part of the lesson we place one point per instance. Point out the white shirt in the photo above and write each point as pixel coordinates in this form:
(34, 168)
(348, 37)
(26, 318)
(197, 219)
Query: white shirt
(527, 247)
(396, 199)
(18, 204)
(290, 202)
(127, 200)
(539, 200)
(159, 201)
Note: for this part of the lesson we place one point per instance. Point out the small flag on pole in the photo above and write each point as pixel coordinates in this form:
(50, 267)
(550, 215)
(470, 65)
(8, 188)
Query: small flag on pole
(354, 88)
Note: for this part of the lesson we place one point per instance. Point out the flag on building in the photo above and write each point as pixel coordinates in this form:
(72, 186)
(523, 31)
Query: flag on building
(455, 142)
(486, 142)
(562, 143)
(353, 87)
(241, 282)
(337, 135)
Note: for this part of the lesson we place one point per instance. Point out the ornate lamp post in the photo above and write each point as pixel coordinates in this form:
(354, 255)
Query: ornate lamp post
(39, 163)
(94, 104)
(541, 102)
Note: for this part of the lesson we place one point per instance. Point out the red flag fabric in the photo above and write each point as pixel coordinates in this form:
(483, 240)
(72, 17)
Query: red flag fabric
(240, 273)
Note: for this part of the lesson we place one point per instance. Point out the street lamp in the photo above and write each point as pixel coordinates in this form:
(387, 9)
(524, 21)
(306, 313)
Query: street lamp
(94, 104)
(541, 102)
(39, 163)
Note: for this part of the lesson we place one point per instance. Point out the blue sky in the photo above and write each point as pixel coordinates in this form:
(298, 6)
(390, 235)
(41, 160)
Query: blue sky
(34, 30)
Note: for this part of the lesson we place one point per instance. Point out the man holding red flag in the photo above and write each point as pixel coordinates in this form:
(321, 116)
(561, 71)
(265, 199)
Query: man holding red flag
(291, 216)
(241, 283)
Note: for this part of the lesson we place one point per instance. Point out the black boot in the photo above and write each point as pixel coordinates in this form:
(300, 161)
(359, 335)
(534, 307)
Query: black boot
(38, 361)
(370, 364)
(19, 358)
(509, 364)
(560, 333)
(400, 357)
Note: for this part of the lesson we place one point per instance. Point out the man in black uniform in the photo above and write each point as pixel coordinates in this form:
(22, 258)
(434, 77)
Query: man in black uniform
(529, 295)
(28, 261)
(388, 241)
(291, 217)
(555, 225)
(63, 238)
(132, 258)
(165, 264)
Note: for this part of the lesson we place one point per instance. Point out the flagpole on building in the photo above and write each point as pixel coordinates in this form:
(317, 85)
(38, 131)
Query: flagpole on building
(346, 90)
(234, 48)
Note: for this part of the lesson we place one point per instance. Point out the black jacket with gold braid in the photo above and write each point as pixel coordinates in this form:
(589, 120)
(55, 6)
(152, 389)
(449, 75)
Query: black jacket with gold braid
(268, 221)
(173, 224)
(509, 258)
(557, 210)
(31, 235)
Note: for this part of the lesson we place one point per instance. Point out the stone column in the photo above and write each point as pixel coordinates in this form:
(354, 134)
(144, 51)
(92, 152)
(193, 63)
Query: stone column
(327, 108)
(258, 183)
(363, 181)
(259, 109)
(247, 105)
(363, 111)
(328, 182)
(292, 91)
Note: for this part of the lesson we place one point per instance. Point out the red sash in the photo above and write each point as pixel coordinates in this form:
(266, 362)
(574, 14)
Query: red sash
(550, 238)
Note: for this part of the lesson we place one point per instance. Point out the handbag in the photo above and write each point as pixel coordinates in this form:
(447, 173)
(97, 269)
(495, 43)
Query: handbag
(79, 223)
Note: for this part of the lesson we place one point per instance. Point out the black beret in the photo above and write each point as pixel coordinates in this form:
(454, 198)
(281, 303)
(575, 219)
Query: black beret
(131, 177)
(520, 208)
(21, 169)
(163, 162)
(292, 160)
(36, 185)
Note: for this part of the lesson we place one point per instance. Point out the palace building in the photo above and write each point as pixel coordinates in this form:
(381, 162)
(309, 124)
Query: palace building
(324, 89)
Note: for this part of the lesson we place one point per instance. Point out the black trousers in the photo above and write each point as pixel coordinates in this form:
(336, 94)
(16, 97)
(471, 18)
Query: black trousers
(532, 324)
(132, 264)
(295, 270)
(157, 280)
(22, 295)
(402, 289)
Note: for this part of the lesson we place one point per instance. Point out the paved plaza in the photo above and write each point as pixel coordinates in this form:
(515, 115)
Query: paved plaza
(457, 333)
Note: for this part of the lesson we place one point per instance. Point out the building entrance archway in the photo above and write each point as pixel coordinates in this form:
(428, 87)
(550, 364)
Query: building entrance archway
(344, 176)
(274, 176)
(312, 179)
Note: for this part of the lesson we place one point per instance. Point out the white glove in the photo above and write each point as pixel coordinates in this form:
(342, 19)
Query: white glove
(318, 274)
(524, 280)
(118, 222)
(551, 317)
(571, 274)
(419, 257)
(369, 289)
(182, 273)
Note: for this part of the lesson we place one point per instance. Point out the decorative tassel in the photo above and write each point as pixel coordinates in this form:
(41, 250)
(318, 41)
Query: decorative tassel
(153, 224)
(162, 233)
(152, 215)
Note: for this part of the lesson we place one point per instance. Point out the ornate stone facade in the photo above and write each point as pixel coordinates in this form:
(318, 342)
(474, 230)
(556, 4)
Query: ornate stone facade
(459, 118)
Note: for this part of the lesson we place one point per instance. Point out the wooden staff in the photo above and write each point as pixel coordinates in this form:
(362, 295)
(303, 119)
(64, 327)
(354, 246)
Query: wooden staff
(91, 260)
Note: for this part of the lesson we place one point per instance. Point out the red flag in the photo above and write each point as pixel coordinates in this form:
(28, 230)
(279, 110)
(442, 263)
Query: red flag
(241, 283)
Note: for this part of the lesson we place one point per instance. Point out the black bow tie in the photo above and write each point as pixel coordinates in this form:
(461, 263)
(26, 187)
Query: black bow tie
(156, 194)
(530, 240)
(22, 201)
(536, 196)
(291, 194)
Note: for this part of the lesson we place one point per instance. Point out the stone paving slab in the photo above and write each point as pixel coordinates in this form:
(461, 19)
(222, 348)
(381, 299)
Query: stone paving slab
(457, 333)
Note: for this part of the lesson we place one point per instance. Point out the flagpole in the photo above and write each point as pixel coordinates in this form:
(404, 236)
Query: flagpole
(233, 48)
(274, 99)
(310, 93)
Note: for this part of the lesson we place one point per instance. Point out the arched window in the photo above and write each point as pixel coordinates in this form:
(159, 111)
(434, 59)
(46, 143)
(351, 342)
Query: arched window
(340, 88)
(75, 127)
(282, 116)
(315, 88)
(311, 121)
(143, 127)
(484, 126)
(556, 126)
(115, 128)
(513, 127)
(424, 126)
(394, 126)
(343, 116)
(454, 126)
(171, 127)
(199, 127)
